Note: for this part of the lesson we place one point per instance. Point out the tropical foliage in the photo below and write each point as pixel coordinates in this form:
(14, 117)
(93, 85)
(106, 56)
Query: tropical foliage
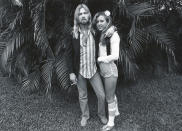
(34, 33)
(143, 31)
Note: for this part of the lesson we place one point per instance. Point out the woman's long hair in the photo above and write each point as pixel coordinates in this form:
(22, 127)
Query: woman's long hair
(94, 25)
(76, 20)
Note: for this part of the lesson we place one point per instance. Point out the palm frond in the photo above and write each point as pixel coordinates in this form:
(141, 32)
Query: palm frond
(141, 9)
(137, 39)
(10, 19)
(144, 9)
(62, 72)
(13, 44)
(17, 40)
(17, 21)
(32, 82)
(38, 15)
(121, 6)
(46, 74)
(14, 34)
(17, 65)
(129, 68)
(2, 47)
(59, 30)
(3, 12)
(162, 38)
(179, 10)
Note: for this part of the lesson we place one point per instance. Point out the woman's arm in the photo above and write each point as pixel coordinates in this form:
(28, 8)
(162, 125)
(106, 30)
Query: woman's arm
(110, 31)
(115, 42)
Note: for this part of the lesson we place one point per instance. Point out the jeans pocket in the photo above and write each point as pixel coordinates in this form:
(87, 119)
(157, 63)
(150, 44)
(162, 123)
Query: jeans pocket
(105, 69)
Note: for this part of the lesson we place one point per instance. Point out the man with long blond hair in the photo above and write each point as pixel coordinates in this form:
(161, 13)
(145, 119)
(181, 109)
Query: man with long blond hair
(82, 63)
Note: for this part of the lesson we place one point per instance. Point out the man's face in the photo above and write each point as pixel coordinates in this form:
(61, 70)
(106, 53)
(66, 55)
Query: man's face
(83, 16)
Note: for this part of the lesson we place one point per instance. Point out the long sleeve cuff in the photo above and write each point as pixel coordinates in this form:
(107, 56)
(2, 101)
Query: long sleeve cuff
(107, 59)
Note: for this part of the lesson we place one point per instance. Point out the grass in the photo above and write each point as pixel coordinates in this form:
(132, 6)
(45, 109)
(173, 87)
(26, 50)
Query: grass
(151, 104)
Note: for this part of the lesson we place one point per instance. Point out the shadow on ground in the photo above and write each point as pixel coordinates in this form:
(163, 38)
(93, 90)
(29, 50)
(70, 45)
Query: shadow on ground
(149, 105)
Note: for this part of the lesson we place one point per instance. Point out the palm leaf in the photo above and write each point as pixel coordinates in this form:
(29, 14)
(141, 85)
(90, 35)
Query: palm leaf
(32, 82)
(59, 31)
(46, 73)
(17, 40)
(137, 40)
(162, 37)
(129, 68)
(3, 12)
(38, 15)
(11, 20)
(17, 21)
(12, 44)
(121, 6)
(61, 70)
(136, 10)
(141, 9)
(179, 10)
(2, 47)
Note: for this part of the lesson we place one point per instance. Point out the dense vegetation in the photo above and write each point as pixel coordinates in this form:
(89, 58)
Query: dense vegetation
(34, 33)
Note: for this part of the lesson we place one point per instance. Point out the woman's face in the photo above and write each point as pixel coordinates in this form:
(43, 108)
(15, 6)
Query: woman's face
(101, 23)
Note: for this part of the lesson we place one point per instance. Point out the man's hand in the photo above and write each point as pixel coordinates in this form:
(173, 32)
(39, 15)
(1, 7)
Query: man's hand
(110, 31)
(73, 78)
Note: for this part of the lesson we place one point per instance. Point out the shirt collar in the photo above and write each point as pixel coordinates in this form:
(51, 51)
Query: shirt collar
(81, 31)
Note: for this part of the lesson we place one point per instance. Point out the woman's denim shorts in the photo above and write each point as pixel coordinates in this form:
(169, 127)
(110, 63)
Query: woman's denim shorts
(108, 69)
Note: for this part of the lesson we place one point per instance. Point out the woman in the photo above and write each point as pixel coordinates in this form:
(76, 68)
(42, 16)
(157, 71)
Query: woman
(108, 52)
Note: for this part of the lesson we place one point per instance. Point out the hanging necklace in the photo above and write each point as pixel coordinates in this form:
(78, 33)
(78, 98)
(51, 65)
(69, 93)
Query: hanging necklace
(84, 38)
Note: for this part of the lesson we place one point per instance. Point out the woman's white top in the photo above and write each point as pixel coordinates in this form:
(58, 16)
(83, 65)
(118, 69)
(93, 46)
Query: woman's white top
(114, 47)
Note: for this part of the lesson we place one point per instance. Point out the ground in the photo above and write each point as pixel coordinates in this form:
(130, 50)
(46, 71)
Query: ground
(150, 104)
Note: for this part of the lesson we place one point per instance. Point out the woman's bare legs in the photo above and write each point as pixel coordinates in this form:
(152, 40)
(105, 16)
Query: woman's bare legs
(110, 87)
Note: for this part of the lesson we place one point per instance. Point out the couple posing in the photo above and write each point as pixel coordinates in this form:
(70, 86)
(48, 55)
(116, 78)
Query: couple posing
(92, 52)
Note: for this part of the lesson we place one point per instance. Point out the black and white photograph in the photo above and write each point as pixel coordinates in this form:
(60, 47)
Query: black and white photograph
(90, 65)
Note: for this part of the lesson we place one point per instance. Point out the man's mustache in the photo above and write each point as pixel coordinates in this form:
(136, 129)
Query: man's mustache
(99, 26)
(83, 19)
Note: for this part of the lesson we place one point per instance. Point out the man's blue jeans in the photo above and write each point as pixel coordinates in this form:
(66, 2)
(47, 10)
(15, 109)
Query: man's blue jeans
(97, 85)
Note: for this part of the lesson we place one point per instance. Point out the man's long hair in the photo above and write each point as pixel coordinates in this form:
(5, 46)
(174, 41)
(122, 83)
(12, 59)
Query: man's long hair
(76, 20)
